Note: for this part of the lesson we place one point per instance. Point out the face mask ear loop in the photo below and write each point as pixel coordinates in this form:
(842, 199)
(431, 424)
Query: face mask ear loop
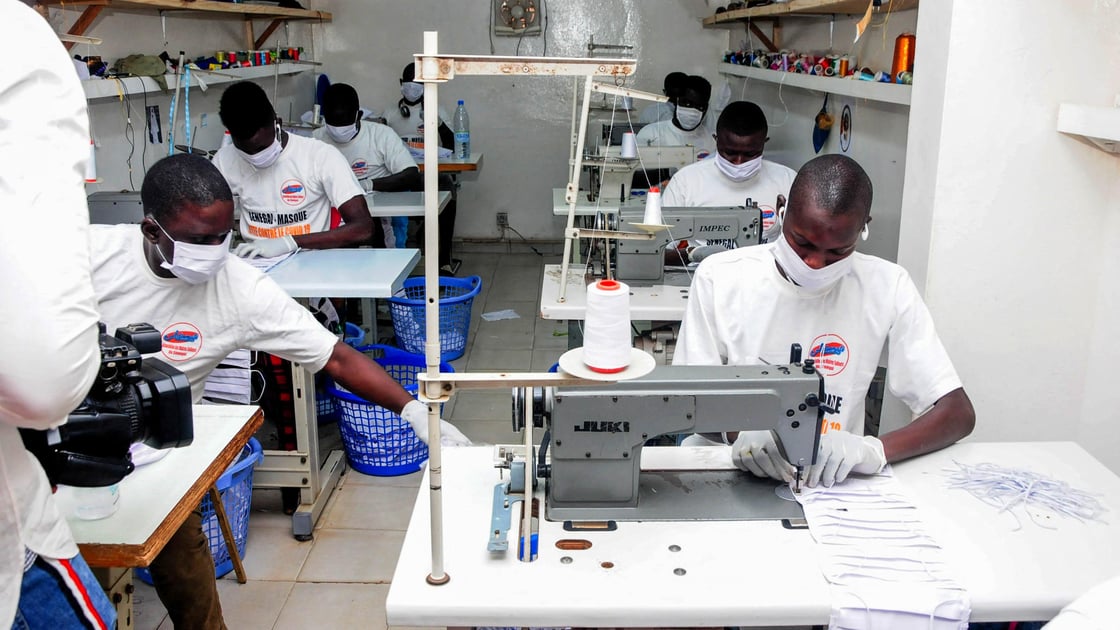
(866, 231)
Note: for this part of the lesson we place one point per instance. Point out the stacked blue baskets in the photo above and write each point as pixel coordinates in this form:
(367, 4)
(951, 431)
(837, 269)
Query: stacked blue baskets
(376, 440)
(325, 408)
(456, 296)
(236, 489)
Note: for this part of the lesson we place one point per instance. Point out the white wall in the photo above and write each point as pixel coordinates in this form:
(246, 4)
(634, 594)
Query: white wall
(1013, 227)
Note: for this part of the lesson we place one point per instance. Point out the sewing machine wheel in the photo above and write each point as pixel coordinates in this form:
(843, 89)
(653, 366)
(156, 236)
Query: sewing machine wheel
(534, 401)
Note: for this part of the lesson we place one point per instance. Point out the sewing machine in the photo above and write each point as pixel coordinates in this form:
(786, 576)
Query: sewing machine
(612, 174)
(642, 263)
(595, 438)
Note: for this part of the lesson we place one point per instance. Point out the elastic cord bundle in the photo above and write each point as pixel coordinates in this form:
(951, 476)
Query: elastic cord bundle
(1007, 488)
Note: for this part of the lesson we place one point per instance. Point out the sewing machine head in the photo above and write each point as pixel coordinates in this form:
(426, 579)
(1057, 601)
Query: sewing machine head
(613, 175)
(642, 263)
(597, 434)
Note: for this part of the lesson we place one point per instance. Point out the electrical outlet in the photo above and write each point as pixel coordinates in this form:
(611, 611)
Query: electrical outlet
(503, 219)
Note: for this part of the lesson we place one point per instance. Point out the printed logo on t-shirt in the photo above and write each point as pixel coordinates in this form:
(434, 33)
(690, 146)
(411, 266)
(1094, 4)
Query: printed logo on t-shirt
(768, 217)
(181, 341)
(360, 168)
(293, 192)
(829, 354)
(702, 155)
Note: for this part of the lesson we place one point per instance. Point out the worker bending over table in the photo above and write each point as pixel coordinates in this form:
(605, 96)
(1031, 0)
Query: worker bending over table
(746, 306)
(687, 126)
(175, 272)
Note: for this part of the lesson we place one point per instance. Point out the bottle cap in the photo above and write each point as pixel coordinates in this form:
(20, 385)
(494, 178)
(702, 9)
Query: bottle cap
(460, 101)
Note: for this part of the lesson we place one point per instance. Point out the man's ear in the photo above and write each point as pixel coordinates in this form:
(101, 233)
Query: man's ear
(150, 230)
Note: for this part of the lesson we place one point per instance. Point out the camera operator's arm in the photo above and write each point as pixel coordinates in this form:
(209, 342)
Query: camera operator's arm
(49, 335)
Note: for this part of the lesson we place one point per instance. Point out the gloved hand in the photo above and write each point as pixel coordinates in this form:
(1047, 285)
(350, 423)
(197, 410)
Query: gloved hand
(415, 413)
(701, 252)
(842, 453)
(757, 452)
(267, 247)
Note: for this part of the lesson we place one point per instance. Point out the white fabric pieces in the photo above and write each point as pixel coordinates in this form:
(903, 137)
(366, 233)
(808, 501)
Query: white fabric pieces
(376, 152)
(666, 134)
(886, 570)
(294, 196)
(702, 184)
(202, 324)
(50, 323)
(741, 311)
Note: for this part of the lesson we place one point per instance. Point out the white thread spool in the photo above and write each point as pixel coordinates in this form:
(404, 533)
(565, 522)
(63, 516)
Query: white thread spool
(629, 145)
(91, 166)
(653, 207)
(606, 334)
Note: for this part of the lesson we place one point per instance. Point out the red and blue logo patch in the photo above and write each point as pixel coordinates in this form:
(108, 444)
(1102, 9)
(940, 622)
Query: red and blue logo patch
(830, 354)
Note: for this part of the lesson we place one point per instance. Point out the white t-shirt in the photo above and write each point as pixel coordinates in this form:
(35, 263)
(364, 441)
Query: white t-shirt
(666, 134)
(741, 311)
(202, 324)
(703, 184)
(376, 152)
(413, 125)
(49, 335)
(295, 195)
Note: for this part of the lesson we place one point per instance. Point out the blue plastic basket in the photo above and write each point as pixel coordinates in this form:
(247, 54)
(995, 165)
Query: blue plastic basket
(376, 440)
(236, 489)
(456, 296)
(354, 335)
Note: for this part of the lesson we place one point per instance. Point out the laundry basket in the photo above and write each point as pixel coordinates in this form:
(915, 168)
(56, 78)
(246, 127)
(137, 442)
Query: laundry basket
(376, 440)
(456, 296)
(325, 408)
(236, 489)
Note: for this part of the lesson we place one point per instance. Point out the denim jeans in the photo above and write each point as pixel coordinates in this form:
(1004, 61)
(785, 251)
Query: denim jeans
(62, 594)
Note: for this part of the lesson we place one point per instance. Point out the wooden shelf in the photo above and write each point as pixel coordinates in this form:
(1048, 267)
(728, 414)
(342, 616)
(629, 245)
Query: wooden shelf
(91, 9)
(802, 7)
(1098, 125)
(98, 88)
(870, 90)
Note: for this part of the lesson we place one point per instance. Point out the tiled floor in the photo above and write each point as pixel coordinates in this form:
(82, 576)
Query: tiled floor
(340, 578)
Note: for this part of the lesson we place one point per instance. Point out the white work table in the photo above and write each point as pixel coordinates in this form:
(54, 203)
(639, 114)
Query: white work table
(455, 165)
(584, 208)
(156, 498)
(742, 573)
(401, 204)
(369, 273)
(655, 303)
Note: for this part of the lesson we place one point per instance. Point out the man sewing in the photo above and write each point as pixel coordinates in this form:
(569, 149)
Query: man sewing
(287, 184)
(375, 152)
(687, 126)
(746, 306)
(174, 271)
(736, 174)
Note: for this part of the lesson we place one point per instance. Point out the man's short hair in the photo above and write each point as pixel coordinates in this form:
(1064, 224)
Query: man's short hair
(834, 183)
(698, 84)
(244, 109)
(340, 98)
(742, 118)
(181, 179)
(673, 83)
(409, 73)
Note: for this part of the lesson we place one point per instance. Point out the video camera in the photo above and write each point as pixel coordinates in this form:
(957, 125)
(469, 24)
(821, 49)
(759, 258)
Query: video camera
(132, 400)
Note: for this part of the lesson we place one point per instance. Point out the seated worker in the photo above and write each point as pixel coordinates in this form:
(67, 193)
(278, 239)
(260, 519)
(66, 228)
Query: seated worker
(173, 271)
(738, 173)
(658, 112)
(375, 152)
(687, 126)
(287, 183)
(746, 306)
(407, 119)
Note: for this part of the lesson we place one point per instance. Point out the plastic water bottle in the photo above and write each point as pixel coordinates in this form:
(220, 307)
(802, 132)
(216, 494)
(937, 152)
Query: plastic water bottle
(461, 125)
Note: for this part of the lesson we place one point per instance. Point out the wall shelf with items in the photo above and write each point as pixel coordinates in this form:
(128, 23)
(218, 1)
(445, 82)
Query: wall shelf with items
(111, 88)
(870, 90)
(803, 7)
(1098, 125)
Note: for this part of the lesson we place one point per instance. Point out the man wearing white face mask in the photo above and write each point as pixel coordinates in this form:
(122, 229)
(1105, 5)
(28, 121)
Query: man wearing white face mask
(687, 126)
(737, 173)
(810, 286)
(175, 272)
(287, 183)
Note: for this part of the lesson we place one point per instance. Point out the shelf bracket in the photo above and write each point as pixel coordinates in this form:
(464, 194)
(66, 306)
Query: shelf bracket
(83, 22)
(247, 29)
(772, 42)
(267, 31)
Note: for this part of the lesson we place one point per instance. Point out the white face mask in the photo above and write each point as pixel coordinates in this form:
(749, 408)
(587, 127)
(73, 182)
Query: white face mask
(412, 91)
(194, 263)
(689, 118)
(342, 134)
(265, 157)
(739, 172)
(802, 274)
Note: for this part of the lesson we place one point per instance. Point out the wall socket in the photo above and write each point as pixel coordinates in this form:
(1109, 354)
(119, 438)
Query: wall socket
(502, 219)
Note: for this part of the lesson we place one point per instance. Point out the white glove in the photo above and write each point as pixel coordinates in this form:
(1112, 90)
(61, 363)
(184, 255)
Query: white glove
(267, 247)
(757, 452)
(698, 254)
(415, 413)
(841, 453)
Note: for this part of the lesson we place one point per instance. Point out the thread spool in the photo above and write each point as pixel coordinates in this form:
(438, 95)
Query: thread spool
(315, 114)
(91, 166)
(606, 334)
(629, 145)
(652, 215)
(903, 60)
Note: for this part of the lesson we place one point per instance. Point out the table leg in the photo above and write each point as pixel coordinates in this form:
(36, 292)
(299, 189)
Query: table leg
(227, 533)
(319, 482)
(117, 584)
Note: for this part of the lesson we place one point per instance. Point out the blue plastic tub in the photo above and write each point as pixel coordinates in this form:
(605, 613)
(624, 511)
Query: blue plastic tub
(376, 440)
(456, 297)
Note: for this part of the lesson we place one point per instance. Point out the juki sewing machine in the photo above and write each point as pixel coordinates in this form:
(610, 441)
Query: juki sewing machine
(613, 174)
(592, 450)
